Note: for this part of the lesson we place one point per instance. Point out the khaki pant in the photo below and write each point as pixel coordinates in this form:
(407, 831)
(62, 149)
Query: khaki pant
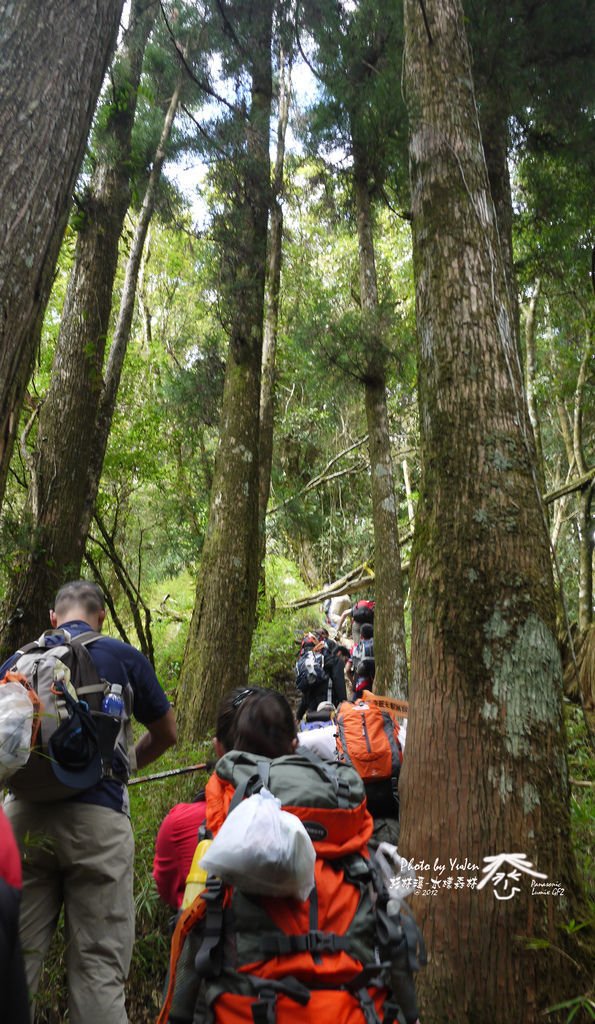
(80, 856)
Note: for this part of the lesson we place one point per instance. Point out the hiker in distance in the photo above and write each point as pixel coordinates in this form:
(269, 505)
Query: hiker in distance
(69, 804)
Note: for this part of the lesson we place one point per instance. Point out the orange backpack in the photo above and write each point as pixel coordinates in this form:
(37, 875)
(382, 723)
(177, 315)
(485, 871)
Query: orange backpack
(277, 960)
(368, 739)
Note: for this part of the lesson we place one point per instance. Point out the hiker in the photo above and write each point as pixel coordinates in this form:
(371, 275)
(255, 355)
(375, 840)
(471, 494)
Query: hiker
(320, 672)
(364, 677)
(78, 852)
(360, 612)
(334, 607)
(13, 984)
(255, 946)
(317, 731)
(363, 649)
(368, 737)
(178, 833)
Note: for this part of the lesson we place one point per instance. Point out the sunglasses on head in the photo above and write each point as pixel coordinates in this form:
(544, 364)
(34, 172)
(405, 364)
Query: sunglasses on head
(241, 697)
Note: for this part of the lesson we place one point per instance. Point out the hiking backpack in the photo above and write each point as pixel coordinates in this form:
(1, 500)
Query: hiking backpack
(363, 649)
(73, 742)
(239, 958)
(310, 671)
(363, 611)
(368, 740)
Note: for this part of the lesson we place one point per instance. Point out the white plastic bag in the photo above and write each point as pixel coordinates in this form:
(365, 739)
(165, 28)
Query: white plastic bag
(322, 741)
(263, 850)
(16, 723)
(399, 875)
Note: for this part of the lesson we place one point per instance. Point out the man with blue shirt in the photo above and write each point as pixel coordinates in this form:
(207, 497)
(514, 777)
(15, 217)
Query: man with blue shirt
(79, 853)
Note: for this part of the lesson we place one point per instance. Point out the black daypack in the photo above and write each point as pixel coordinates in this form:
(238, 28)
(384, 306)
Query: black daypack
(76, 741)
(310, 671)
(363, 611)
(364, 649)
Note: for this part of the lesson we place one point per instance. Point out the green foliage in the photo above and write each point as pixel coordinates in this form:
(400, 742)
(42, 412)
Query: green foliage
(174, 599)
(582, 767)
(274, 643)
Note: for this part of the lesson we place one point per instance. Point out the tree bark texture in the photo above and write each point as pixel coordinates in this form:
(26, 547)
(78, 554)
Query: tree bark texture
(67, 441)
(272, 298)
(225, 608)
(389, 622)
(485, 772)
(495, 139)
(530, 379)
(54, 58)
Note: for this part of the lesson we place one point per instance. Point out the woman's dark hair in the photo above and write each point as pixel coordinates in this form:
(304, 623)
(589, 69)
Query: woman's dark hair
(226, 714)
(264, 724)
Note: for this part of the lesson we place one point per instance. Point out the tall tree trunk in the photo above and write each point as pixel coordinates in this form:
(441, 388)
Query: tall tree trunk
(224, 612)
(52, 69)
(67, 436)
(273, 291)
(530, 378)
(389, 621)
(585, 523)
(495, 139)
(117, 353)
(486, 770)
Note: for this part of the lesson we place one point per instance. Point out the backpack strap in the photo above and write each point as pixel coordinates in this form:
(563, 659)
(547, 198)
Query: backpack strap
(213, 897)
(340, 723)
(367, 1004)
(264, 1009)
(314, 942)
(389, 729)
(83, 640)
(186, 921)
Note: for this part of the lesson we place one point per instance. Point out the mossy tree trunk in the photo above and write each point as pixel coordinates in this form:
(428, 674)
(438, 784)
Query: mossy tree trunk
(67, 440)
(389, 622)
(485, 772)
(54, 60)
(218, 647)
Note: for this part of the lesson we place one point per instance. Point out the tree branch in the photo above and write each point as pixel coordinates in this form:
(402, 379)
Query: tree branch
(575, 485)
(323, 476)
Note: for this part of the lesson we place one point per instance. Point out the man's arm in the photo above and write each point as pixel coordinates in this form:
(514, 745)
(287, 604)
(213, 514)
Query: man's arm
(160, 735)
(344, 616)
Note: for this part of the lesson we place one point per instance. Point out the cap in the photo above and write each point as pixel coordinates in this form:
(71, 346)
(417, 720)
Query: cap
(326, 705)
(74, 750)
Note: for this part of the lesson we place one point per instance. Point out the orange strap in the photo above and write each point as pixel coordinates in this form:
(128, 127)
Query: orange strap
(18, 677)
(185, 923)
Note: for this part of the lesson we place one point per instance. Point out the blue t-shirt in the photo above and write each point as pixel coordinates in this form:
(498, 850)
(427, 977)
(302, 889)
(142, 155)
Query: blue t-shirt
(118, 663)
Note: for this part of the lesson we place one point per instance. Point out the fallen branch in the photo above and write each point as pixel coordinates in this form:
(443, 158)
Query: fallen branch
(345, 585)
(574, 485)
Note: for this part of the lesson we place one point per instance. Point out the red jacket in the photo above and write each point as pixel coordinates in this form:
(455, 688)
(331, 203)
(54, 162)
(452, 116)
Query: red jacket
(10, 858)
(174, 848)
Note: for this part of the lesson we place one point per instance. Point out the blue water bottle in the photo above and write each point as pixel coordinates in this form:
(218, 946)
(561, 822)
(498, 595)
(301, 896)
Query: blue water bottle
(113, 702)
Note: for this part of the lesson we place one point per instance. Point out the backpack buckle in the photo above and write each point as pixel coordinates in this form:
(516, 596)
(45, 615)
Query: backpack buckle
(213, 889)
(321, 942)
(264, 1010)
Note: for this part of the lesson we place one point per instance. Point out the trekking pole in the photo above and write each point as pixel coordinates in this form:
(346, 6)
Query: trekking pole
(206, 767)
